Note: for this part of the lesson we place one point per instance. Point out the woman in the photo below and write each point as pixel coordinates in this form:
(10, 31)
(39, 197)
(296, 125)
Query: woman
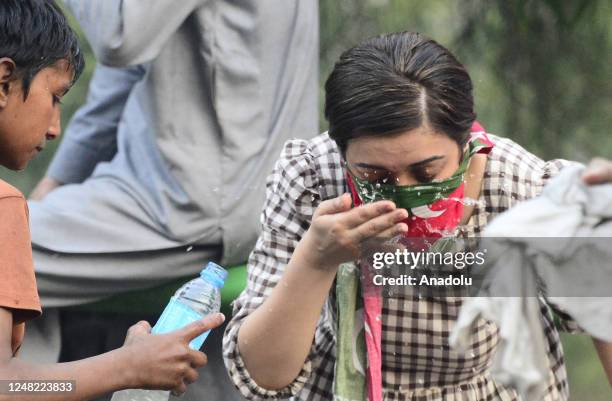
(400, 111)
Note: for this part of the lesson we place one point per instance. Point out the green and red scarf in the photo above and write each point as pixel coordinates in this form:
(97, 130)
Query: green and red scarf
(435, 210)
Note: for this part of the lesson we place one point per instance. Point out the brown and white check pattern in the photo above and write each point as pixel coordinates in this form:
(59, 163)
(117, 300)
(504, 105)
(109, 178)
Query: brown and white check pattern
(417, 363)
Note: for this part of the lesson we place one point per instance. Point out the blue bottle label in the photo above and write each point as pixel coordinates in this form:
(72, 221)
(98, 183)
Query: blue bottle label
(175, 316)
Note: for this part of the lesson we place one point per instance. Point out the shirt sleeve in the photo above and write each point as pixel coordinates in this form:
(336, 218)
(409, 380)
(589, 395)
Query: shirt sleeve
(91, 136)
(18, 285)
(291, 197)
(127, 32)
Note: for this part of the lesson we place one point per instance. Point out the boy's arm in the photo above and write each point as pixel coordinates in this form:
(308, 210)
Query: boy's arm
(127, 32)
(162, 361)
(111, 366)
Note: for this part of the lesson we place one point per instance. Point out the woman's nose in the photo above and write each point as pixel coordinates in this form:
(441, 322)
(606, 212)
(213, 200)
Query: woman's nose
(403, 179)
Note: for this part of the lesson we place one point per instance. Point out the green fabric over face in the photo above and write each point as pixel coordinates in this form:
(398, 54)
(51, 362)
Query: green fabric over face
(409, 196)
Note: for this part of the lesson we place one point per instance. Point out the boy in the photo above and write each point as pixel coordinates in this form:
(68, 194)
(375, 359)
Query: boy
(39, 60)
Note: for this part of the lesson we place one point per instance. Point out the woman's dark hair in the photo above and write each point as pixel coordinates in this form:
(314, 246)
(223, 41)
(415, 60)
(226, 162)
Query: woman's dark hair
(35, 34)
(398, 82)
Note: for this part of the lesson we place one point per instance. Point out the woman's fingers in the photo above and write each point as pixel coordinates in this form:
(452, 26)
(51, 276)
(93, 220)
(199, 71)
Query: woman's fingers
(359, 215)
(333, 206)
(397, 229)
(356, 216)
(376, 226)
(337, 232)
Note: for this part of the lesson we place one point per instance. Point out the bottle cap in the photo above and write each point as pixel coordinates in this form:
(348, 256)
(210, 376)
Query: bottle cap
(214, 274)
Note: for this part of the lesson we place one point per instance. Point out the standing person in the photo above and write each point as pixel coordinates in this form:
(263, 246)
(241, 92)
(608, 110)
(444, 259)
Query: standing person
(402, 124)
(222, 84)
(40, 59)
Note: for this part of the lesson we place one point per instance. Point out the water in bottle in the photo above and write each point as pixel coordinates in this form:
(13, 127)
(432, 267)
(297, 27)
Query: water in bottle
(191, 302)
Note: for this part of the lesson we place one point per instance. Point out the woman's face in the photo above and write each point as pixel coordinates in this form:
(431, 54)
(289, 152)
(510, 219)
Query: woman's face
(413, 157)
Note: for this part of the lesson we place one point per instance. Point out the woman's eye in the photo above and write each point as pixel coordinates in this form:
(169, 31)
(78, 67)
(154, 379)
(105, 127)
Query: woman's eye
(424, 175)
(377, 178)
(426, 179)
(383, 180)
(56, 100)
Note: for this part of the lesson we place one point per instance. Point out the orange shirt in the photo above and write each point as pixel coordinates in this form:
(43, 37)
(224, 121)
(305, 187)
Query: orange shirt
(18, 291)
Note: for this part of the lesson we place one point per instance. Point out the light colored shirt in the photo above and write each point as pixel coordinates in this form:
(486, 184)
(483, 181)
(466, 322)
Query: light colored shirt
(224, 84)
(91, 136)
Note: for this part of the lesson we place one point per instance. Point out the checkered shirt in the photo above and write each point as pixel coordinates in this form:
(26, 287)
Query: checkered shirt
(417, 363)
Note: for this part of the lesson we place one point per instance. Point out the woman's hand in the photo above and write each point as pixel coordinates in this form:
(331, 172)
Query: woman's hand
(165, 361)
(337, 232)
(599, 171)
(288, 317)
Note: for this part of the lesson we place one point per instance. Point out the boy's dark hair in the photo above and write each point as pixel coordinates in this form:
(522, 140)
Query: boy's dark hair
(394, 83)
(35, 34)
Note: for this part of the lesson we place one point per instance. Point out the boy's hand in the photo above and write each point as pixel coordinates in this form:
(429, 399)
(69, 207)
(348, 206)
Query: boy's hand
(165, 361)
(44, 186)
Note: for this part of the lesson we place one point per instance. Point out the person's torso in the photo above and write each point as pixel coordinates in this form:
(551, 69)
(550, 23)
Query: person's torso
(416, 358)
(201, 131)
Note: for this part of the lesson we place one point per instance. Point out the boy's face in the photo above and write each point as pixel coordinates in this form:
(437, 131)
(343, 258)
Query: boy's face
(25, 126)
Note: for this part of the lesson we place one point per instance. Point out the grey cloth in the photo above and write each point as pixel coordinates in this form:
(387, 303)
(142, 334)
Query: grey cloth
(91, 136)
(181, 145)
(525, 262)
(166, 163)
(225, 84)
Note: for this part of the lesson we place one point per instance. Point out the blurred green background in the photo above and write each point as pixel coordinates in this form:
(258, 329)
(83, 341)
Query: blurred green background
(542, 75)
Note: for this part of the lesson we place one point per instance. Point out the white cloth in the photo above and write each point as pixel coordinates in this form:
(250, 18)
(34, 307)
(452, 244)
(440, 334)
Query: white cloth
(558, 240)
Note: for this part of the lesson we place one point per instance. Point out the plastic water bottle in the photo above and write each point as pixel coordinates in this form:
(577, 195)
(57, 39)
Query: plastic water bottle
(191, 302)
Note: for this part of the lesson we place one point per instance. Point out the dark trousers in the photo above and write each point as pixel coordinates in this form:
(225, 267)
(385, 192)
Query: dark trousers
(85, 334)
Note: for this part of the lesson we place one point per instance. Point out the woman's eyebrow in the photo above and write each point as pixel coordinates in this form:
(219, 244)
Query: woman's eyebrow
(425, 161)
(416, 164)
(370, 166)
